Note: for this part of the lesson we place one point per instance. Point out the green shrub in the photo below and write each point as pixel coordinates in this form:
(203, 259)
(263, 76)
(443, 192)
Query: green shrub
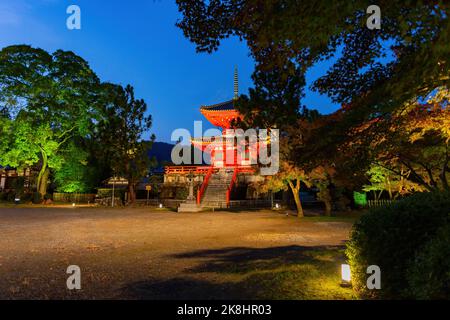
(37, 198)
(10, 196)
(429, 272)
(26, 197)
(3, 196)
(181, 193)
(390, 236)
(18, 186)
(48, 196)
(107, 193)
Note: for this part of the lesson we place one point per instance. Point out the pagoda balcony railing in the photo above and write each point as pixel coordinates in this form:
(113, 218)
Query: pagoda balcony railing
(203, 170)
(225, 138)
(186, 169)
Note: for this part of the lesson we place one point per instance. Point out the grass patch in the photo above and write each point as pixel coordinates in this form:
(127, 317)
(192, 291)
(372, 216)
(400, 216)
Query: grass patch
(281, 273)
(317, 278)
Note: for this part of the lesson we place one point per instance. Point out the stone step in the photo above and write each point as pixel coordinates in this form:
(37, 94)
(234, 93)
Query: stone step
(189, 207)
(216, 192)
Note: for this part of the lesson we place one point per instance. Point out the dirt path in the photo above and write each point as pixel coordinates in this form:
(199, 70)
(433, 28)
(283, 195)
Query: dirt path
(136, 253)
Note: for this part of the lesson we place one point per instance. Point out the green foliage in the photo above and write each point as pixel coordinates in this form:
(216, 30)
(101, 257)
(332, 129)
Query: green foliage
(181, 193)
(107, 193)
(37, 198)
(429, 273)
(281, 34)
(48, 196)
(26, 198)
(360, 199)
(275, 100)
(50, 98)
(372, 73)
(390, 237)
(125, 150)
(56, 116)
(18, 186)
(74, 175)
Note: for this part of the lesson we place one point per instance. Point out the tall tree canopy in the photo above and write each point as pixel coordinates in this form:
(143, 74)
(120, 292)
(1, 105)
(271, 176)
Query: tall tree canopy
(122, 136)
(57, 117)
(380, 77)
(292, 35)
(51, 98)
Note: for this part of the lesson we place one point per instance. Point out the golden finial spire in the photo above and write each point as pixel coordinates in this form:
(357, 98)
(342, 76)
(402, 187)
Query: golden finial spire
(236, 83)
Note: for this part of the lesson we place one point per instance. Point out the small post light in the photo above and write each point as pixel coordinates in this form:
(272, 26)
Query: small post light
(73, 204)
(346, 275)
(16, 200)
(160, 205)
(277, 206)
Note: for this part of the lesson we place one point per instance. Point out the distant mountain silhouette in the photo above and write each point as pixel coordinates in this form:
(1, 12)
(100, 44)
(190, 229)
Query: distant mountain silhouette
(161, 151)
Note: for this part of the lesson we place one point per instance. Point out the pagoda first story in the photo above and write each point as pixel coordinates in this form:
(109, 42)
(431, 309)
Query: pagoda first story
(225, 180)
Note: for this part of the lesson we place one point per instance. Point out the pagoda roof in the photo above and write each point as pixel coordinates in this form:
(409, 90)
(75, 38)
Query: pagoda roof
(223, 106)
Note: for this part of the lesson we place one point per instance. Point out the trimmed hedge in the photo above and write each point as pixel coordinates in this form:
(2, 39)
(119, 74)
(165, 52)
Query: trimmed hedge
(429, 273)
(391, 237)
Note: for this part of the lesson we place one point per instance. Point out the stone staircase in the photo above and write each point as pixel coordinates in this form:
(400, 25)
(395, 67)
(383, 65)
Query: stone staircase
(216, 192)
(215, 195)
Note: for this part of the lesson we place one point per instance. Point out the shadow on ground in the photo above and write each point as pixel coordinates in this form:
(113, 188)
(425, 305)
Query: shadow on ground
(289, 272)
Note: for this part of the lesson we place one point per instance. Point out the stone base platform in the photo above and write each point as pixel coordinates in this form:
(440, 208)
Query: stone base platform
(190, 206)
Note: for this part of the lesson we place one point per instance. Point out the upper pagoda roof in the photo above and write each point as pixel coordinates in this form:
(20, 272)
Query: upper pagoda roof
(223, 106)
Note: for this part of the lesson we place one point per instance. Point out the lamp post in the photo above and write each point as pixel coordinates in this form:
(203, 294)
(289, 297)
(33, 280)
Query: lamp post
(346, 275)
(148, 188)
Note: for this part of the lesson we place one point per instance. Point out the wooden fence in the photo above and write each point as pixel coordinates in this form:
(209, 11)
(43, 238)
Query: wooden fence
(74, 197)
(379, 203)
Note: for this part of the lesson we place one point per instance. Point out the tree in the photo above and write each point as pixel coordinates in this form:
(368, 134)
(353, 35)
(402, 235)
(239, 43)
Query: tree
(50, 98)
(275, 100)
(288, 177)
(321, 177)
(281, 32)
(383, 179)
(121, 135)
(412, 143)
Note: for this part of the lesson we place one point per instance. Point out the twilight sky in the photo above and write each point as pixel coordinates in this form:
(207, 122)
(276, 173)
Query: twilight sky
(136, 42)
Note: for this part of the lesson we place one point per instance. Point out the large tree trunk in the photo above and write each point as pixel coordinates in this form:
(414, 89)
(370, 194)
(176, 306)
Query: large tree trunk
(41, 183)
(389, 188)
(42, 188)
(131, 193)
(295, 192)
(328, 208)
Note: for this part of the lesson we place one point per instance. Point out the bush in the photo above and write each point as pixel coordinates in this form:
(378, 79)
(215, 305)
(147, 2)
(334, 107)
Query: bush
(3, 196)
(26, 197)
(390, 236)
(37, 198)
(429, 273)
(48, 196)
(181, 193)
(10, 196)
(107, 193)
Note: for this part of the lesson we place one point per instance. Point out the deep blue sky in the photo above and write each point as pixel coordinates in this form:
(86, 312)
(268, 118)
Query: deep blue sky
(136, 42)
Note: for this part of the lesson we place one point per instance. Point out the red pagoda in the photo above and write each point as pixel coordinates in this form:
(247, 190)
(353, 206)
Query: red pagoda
(216, 181)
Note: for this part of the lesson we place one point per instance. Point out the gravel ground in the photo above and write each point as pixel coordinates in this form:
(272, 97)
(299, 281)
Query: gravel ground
(145, 254)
